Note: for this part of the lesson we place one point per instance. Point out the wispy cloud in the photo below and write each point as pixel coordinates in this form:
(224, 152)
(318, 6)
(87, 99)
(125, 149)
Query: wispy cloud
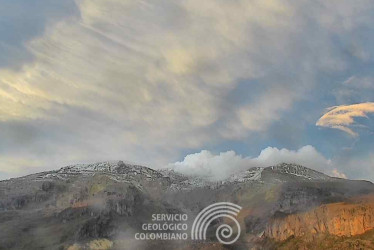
(342, 117)
(145, 80)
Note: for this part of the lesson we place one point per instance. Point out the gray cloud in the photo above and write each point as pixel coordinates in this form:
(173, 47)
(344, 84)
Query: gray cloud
(21, 21)
(355, 89)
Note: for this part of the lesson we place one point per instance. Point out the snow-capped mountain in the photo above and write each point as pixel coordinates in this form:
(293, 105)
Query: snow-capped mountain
(299, 171)
(83, 203)
(126, 172)
(252, 174)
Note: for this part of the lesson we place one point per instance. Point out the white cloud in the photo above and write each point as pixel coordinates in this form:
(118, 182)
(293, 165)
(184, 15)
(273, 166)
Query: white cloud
(341, 117)
(213, 166)
(227, 163)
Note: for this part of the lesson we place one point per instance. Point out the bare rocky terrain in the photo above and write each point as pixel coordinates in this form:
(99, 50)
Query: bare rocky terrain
(102, 206)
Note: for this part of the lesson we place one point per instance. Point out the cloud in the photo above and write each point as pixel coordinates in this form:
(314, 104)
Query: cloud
(341, 117)
(336, 173)
(356, 166)
(144, 80)
(360, 82)
(14, 167)
(221, 166)
(24, 20)
(206, 164)
(355, 89)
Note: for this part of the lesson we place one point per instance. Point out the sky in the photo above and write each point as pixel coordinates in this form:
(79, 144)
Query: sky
(207, 87)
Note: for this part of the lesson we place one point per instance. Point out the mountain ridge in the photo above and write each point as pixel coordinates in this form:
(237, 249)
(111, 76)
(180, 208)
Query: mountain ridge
(103, 200)
(112, 167)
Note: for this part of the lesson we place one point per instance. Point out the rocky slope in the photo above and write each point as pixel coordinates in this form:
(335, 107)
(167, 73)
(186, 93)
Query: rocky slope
(104, 204)
(341, 219)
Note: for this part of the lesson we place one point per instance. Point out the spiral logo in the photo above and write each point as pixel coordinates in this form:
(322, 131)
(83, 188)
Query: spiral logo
(217, 210)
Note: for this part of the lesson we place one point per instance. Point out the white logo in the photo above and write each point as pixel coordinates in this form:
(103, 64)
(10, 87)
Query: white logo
(212, 212)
